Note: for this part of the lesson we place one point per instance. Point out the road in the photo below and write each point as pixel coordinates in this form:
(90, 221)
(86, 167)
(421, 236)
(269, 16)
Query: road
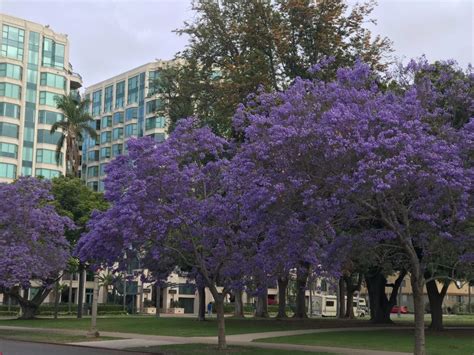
(12, 347)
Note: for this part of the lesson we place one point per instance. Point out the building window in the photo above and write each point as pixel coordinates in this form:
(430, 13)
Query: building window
(47, 173)
(102, 169)
(10, 90)
(187, 289)
(92, 171)
(94, 186)
(105, 153)
(8, 150)
(53, 54)
(8, 130)
(153, 87)
(155, 122)
(12, 71)
(158, 137)
(7, 171)
(119, 94)
(9, 110)
(131, 113)
(93, 155)
(116, 150)
(153, 106)
(118, 118)
(132, 96)
(117, 133)
(48, 98)
(131, 130)
(53, 81)
(105, 137)
(44, 136)
(96, 102)
(47, 156)
(12, 43)
(49, 117)
(106, 122)
(108, 93)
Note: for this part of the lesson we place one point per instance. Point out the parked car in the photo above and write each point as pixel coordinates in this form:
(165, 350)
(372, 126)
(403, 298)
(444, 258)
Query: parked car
(403, 309)
(272, 301)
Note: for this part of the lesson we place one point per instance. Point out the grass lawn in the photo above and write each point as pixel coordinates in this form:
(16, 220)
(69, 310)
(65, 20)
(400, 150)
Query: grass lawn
(449, 320)
(452, 342)
(188, 349)
(46, 337)
(183, 326)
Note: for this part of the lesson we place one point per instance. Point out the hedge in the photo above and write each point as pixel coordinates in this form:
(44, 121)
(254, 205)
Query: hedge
(249, 308)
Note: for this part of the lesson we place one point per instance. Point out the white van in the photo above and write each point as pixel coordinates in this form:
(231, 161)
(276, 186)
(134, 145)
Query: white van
(326, 306)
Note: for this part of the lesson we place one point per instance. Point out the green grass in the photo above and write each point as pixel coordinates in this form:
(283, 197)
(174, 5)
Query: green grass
(46, 337)
(452, 342)
(449, 320)
(189, 349)
(182, 326)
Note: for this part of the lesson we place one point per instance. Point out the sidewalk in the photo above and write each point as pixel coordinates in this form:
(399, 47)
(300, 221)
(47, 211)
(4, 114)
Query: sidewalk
(133, 340)
(138, 340)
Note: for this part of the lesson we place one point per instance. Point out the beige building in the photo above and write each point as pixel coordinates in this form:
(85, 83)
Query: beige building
(123, 107)
(34, 68)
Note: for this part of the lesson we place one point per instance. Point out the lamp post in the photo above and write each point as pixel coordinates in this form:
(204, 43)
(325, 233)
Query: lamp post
(93, 332)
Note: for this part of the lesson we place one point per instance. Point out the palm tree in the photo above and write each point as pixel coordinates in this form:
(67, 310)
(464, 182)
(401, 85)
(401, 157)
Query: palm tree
(75, 122)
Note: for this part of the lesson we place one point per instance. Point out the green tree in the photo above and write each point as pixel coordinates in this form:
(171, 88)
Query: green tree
(239, 46)
(74, 200)
(75, 122)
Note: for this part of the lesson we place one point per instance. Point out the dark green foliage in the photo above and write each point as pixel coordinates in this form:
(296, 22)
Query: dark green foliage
(238, 46)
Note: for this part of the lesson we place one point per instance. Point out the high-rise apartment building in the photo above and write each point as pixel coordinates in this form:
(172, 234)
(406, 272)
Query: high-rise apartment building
(123, 107)
(34, 68)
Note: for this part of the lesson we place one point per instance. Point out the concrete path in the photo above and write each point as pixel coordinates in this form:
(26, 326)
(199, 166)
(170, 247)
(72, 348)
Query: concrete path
(141, 340)
(134, 340)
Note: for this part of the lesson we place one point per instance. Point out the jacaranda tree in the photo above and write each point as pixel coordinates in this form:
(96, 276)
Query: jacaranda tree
(168, 201)
(362, 154)
(33, 248)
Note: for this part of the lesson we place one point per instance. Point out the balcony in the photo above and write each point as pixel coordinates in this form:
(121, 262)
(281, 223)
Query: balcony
(75, 79)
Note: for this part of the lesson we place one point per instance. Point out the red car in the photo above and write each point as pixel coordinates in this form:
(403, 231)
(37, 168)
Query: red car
(403, 309)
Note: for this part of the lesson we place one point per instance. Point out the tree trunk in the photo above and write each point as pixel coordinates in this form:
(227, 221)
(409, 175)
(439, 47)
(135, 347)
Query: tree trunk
(301, 280)
(436, 303)
(282, 286)
(158, 300)
(341, 298)
(80, 291)
(202, 303)
(349, 307)
(417, 287)
(219, 304)
(261, 309)
(69, 306)
(56, 299)
(380, 306)
(239, 305)
(29, 308)
(221, 341)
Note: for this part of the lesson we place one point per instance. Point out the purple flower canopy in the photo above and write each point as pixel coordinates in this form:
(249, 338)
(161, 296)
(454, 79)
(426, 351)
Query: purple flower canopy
(316, 158)
(32, 242)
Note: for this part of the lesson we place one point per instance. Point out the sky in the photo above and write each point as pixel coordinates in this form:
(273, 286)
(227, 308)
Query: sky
(108, 37)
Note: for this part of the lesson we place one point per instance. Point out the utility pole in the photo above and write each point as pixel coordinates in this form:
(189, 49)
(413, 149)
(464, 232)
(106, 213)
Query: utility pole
(93, 332)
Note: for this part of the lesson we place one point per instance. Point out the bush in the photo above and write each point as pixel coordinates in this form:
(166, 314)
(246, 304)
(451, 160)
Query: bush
(102, 313)
(109, 308)
(8, 313)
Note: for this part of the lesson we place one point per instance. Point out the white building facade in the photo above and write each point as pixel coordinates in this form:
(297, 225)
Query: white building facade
(34, 69)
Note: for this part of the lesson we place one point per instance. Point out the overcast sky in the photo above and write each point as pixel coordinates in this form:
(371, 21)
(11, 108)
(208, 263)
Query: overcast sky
(109, 37)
